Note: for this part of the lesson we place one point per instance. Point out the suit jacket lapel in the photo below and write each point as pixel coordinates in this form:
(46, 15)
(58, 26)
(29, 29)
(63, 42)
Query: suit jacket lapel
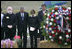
(42, 12)
(20, 16)
(24, 15)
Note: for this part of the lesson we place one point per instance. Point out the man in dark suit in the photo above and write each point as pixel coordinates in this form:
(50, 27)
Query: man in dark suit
(9, 22)
(22, 20)
(40, 16)
(2, 28)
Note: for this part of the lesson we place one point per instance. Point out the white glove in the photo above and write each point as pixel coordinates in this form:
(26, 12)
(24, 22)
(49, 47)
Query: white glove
(32, 28)
(10, 26)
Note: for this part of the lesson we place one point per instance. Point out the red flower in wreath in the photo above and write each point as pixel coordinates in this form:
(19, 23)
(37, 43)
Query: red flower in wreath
(55, 31)
(55, 20)
(56, 27)
(54, 15)
(53, 35)
(69, 10)
(68, 40)
(67, 33)
(51, 13)
(52, 26)
(64, 8)
(49, 33)
(69, 14)
(49, 17)
(70, 18)
(56, 8)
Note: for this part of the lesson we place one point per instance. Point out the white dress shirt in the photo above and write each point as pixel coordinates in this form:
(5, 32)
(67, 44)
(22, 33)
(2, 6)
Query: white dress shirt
(22, 15)
(44, 11)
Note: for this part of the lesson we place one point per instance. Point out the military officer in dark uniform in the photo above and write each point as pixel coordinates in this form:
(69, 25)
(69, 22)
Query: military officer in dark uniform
(40, 16)
(9, 22)
(33, 24)
(2, 27)
(22, 21)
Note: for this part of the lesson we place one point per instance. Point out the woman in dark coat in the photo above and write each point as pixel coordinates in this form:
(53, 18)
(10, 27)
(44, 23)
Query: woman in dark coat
(33, 24)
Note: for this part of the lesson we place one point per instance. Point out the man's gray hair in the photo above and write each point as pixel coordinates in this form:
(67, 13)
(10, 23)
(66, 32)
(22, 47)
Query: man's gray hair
(21, 7)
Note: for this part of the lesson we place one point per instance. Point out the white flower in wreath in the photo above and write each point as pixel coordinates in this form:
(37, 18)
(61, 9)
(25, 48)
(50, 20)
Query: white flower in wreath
(57, 18)
(60, 37)
(47, 19)
(50, 23)
(47, 22)
(67, 18)
(69, 30)
(56, 33)
(65, 43)
(44, 26)
(67, 36)
(50, 36)
(47, 31)
(52, 10)
(56, 13)
(52, 40)
(50, 28)
(48, 14)
(52, 32)
(51, 19)
(60, 15)
(69, 8)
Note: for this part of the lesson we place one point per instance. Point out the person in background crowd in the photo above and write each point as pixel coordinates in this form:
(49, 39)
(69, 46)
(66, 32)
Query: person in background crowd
(9, 22)
(22, 22)
(33, 24)
(40, 16)
(2, 27)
